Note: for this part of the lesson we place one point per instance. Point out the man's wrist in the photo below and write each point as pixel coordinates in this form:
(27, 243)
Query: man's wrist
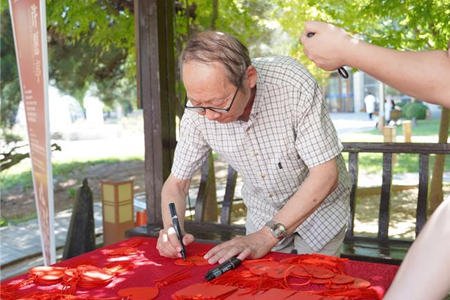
(278, 230)
(270, 237)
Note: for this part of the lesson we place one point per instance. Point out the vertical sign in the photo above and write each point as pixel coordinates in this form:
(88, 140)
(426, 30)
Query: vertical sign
(30, 38)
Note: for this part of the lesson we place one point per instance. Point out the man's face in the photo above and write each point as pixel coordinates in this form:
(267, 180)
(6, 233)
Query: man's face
(207, 85)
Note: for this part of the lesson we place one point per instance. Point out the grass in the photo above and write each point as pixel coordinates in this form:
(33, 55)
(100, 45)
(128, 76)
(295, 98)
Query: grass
(372, 163)
(23, 178)
(423, 128)
(426, 131)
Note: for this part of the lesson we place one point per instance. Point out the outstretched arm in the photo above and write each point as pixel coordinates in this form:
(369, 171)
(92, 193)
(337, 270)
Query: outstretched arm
(425, 272)
(423, 75)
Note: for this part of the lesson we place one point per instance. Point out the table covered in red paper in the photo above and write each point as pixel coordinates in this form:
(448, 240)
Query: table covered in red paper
(134, 267)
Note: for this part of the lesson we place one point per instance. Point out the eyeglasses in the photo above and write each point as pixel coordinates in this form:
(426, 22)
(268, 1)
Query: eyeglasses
(200, 109)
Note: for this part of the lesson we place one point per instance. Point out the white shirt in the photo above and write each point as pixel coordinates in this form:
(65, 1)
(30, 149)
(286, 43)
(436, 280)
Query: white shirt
(369, 100)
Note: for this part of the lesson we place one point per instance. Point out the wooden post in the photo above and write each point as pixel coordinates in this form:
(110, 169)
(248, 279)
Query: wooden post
(390, 134)
(407, 131)
(156, 76)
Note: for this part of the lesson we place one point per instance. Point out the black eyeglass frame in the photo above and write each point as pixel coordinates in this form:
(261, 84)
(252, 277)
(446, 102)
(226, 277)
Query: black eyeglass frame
(199, 109)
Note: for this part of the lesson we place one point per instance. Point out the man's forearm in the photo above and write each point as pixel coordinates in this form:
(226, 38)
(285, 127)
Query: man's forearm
(316, 188)
(176, 192)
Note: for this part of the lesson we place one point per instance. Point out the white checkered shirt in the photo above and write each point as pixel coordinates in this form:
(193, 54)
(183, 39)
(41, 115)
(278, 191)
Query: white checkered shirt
(289, 131)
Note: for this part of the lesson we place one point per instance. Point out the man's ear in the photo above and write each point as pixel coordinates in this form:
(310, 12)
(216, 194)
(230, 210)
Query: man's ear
(252, 76)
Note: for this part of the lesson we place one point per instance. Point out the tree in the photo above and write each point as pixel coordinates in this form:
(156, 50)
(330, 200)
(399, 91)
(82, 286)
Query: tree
(402, 25)
(89, 41)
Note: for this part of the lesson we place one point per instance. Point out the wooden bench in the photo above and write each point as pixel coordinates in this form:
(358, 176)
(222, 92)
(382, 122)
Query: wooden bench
(381, 248)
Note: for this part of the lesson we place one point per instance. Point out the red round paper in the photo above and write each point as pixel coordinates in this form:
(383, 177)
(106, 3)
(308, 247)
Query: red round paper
(48, 274)
(299, 271)
(191, 260)
(319, 281)
(277, 272)
(342, 279)
(359, 283)
(139, 293)
(119, 267)
(319, 272)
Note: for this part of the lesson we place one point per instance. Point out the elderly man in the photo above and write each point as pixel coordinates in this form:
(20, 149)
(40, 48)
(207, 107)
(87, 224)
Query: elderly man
(266, 118)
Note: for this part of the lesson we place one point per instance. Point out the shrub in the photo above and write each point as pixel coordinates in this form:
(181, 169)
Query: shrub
(415, 110)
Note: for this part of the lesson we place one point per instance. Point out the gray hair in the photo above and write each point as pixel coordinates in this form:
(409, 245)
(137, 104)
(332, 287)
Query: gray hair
(212, 46)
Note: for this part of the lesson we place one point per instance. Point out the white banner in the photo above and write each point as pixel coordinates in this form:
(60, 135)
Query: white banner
(30, 39)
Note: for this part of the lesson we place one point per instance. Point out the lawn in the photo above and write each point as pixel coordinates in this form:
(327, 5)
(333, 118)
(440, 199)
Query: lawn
(22, 176)
(371, 163)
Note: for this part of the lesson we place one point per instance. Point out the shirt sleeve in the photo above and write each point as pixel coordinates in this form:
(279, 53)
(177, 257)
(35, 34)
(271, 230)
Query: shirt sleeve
(191, 150)
(317, 141)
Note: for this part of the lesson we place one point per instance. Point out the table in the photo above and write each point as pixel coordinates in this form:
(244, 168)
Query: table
(150, 266)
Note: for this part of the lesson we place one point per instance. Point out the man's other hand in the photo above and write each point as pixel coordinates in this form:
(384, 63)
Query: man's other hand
(251, 246)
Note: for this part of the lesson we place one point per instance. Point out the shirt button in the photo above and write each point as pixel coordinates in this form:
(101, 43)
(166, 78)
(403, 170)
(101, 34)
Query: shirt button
(263, 176)
(271, 195)
(256, 153)
(249, 129)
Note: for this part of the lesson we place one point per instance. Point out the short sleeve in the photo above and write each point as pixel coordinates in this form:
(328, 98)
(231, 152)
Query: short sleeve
(317, 141)
(192, 149)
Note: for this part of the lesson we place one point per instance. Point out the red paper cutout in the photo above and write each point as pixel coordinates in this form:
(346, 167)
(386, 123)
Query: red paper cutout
(119, 267)
(342, 279)
(47, 274)
(304, 296)
(192, 260)
(244, 294)
(139, 293)
(273, 294)
(203, 291)
(122, 251)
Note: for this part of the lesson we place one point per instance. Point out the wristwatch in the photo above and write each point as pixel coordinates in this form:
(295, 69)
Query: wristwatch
(278, 230)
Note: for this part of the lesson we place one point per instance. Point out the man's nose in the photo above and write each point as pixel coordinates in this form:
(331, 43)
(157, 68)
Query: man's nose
(212, 115)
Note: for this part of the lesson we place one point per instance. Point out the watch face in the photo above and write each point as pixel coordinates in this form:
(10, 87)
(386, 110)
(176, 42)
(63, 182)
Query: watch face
(278, 230)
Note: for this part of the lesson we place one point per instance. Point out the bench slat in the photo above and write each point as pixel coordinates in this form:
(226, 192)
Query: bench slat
(416, 148)
(424, 176)
(227, 203)
(201, 196)
(353, 170)
(386, 185)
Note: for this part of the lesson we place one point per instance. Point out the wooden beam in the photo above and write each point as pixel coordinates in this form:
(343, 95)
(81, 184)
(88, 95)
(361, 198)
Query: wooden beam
(439, 148)
(156, 83)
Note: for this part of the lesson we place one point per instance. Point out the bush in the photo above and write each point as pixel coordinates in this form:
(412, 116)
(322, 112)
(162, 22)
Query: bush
(415, 110)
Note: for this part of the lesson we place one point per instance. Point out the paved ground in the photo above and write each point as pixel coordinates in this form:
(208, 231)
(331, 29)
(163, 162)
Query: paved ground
(20, 244)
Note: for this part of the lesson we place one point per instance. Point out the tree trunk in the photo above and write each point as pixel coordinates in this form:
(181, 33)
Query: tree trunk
(436, 194)
(215, 13)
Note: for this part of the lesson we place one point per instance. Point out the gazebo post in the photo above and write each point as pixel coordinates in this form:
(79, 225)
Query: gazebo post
(156, 72)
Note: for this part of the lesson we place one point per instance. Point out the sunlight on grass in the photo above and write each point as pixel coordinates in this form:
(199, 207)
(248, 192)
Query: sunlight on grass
(22, 175)
(426, 131)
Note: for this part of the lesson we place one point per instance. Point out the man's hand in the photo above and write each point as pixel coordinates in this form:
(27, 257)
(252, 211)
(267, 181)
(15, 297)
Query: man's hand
(168, 244)
(252, 246)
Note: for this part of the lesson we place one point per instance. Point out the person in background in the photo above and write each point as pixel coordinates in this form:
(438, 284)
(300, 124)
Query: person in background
(388, 107)
(425, 271)
(369, 101)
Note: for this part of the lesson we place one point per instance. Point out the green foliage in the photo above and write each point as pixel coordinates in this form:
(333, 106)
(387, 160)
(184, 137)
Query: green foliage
(415, 110)
(398, 24)
(4, 223)
(60, 170)
(90, 41)
(9, 84)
